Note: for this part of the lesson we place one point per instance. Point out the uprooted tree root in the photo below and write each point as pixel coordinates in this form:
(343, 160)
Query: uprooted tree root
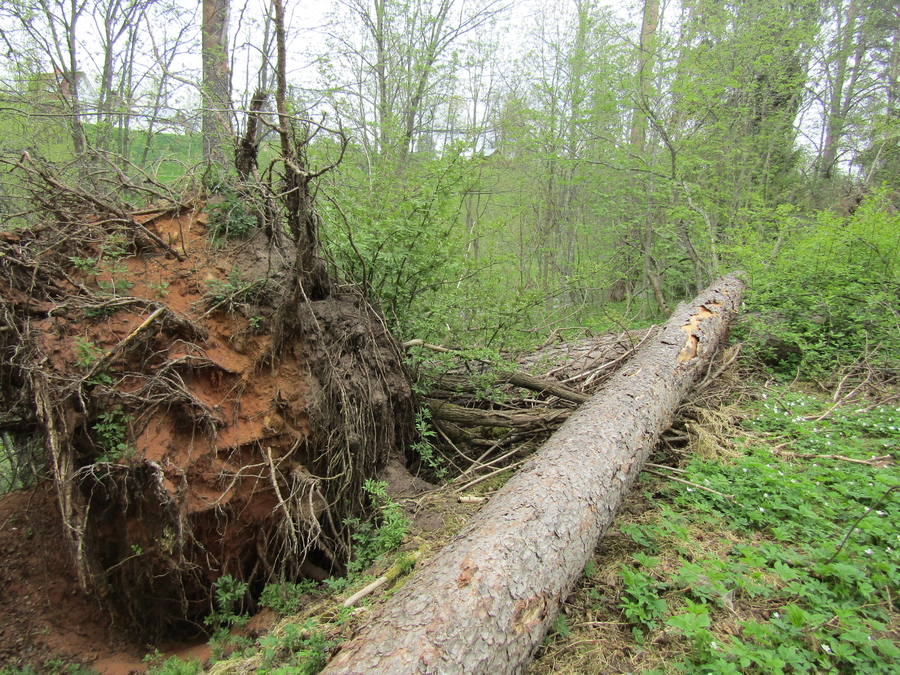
(181, 444)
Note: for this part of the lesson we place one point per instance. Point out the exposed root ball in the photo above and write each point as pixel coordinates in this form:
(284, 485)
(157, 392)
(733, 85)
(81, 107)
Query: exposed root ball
(182, 445)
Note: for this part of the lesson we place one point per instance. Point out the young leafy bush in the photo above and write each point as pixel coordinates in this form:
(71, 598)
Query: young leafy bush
(641, 604)
(827, 292)
(300, 650)
(285, 599)
(370, 542)
(395, 232)
(230, 218)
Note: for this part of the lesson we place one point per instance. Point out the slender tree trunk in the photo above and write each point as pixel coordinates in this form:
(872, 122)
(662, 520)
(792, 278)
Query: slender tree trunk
(650, 270)
(484, 603)
(646, 55)
(840, 100)
(71, 80)
(217, 127)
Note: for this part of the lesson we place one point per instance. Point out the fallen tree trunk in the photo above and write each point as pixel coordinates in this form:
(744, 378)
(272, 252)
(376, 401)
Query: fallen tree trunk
(483, 604)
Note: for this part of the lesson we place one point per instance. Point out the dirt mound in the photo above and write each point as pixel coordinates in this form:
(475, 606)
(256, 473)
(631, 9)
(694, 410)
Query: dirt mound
(184, 441)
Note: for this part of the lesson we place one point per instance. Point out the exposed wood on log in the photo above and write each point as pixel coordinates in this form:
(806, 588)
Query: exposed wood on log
(483, 604)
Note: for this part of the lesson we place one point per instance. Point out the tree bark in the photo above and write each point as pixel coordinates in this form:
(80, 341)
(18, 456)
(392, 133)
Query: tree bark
(483, 604)
(495, 418)
(216, 119)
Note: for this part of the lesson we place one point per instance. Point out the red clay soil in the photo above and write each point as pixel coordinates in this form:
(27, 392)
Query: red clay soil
(44, 616)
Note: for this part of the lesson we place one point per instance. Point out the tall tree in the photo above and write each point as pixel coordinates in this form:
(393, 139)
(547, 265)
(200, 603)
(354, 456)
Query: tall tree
(401, 51)
(50, 31)
(217, 109)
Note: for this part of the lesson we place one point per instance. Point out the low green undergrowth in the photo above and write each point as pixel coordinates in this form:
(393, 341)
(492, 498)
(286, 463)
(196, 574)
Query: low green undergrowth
(783, 560)
(312, 617)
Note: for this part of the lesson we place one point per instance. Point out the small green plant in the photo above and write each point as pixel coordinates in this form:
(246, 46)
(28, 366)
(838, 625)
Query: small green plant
(285, 598)
(694, 625)
(642, 536)
(423, 446)
(111, 433)
(159, 288)
(560, 627)
(171, 666)
(87, 266)
(300, 650)
(229, 594)
(118, 283)
(641, 604)
(371, 542)
(256, 323)
(86, 352)
(230, 218)
(235, 289)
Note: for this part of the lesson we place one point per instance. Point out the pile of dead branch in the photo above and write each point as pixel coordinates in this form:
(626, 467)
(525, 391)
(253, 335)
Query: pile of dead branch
(488, 418)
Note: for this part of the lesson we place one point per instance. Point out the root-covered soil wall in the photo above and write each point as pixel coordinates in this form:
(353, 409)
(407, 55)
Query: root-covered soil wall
(183, 445)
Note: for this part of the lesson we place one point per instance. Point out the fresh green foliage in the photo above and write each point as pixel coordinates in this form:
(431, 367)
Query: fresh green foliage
(230, 218)
(285, 598)
(816, 547)
(117, 284)
(641, 603)
(396, 232)
(297, 650)
(229, 594)
(371, 541)
(423, 446)
(57, 666)
(159, 288)
(111, 433)
(20, 459)
(87, 266)
(256, 323)
(234, 290)
(171, 666)
(825, 293)
(86, 352)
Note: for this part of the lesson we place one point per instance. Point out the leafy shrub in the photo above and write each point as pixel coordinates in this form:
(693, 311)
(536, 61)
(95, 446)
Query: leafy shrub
(641, 604)
(285, 598)
(111, 432)
(827, 292)
(174, 666)
(301, 650)
(229, 594)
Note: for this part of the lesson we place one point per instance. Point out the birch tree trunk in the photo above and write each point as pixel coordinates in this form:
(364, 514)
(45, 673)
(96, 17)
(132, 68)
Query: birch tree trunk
(483, 604)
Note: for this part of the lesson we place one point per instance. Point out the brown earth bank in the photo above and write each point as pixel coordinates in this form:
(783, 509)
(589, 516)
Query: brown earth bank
(46, 619)
(198, 424)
